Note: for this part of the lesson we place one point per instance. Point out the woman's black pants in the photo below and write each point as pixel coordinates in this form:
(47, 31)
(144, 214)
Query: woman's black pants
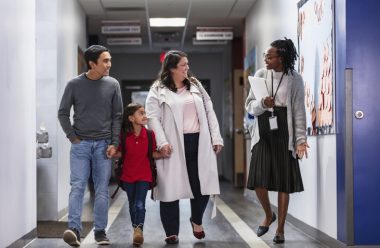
(169, 211)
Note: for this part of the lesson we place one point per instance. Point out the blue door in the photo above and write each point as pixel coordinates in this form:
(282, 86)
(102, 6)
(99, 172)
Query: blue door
(363, 56)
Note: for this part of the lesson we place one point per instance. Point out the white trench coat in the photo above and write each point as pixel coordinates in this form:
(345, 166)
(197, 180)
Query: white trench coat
(165, 117)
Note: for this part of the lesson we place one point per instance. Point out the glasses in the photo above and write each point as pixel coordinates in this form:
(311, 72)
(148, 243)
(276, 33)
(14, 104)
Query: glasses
(268, 56)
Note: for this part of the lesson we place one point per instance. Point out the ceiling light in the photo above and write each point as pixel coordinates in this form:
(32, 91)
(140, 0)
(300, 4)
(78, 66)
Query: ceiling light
(167, 22)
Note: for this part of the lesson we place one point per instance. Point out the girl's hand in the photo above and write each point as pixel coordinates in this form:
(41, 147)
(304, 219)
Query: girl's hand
(302, 150)
(217, 148)
(117, 155)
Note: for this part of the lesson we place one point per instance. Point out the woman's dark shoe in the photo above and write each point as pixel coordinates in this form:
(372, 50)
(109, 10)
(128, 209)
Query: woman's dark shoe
(198, 235)
(264, 229)
(279, 238)
(172, 240)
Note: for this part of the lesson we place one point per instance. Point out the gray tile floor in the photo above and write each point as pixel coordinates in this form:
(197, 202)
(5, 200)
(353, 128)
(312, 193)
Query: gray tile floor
(219, 232)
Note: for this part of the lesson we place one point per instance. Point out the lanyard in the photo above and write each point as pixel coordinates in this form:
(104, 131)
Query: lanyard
(274, 96)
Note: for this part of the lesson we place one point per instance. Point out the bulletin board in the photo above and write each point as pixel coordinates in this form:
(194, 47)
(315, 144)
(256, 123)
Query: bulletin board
(316, 63)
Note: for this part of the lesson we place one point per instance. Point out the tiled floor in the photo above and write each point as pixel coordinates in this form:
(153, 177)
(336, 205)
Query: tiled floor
(220, 231)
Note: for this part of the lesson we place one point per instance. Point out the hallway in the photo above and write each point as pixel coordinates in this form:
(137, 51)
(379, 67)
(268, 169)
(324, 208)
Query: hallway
(233, 227)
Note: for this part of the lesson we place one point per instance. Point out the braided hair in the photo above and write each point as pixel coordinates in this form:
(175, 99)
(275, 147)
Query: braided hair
(288, 52)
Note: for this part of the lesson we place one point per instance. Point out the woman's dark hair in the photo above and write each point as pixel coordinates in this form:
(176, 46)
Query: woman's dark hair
(93, 53)
(171, 61)
(129, 110)
(288, 52)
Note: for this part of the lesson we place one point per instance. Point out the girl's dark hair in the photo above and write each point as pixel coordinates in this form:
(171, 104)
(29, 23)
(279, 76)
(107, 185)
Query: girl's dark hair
(129, 110)
(288, 52)
(171, 61)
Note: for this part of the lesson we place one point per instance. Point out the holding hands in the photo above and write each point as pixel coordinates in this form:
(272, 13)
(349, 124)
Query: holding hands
(111, 151)
(166, 150)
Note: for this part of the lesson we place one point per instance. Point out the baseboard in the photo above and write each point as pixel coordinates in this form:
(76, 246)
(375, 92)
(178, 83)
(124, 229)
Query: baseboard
(315, 233)
(24, 240)
(309, 230)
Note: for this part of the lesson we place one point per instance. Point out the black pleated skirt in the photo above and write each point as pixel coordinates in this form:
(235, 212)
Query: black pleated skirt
(272, 165)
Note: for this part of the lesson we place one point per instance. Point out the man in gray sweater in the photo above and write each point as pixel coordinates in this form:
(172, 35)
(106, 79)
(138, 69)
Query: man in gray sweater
(94, 134)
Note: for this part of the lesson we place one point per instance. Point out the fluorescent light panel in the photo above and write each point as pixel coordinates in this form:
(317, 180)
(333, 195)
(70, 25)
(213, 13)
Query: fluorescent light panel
(167, 22)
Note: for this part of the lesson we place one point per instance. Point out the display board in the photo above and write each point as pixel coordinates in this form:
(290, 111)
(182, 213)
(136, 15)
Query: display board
(316, 63)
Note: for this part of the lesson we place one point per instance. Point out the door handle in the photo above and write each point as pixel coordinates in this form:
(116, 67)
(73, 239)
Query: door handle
(238, 130)
(359, 114)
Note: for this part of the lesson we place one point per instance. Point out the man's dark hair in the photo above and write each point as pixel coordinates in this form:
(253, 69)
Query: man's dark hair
(288, 52)
(171, 61)
(93, 53)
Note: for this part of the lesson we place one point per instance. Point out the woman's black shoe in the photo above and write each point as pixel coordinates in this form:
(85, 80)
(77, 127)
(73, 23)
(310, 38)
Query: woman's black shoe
(264, 229)
(279, 238)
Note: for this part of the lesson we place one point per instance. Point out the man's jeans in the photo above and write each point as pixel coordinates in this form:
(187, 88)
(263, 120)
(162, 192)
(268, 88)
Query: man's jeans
(89, 156)
(136, 197)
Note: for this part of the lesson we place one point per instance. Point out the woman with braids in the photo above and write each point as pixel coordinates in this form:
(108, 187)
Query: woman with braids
(181, 114)
(279, 136)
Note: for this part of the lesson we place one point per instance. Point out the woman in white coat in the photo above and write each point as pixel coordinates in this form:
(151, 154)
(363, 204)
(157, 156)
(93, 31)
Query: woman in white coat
(181, 114)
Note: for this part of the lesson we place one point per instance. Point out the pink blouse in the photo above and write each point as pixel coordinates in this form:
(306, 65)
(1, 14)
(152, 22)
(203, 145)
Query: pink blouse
(190, 116)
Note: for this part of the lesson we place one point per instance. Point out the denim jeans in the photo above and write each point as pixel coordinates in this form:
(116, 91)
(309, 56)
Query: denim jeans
(89, 156)
(136, 197)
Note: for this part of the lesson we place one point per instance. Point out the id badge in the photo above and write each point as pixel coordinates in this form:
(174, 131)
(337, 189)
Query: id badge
(273, 123)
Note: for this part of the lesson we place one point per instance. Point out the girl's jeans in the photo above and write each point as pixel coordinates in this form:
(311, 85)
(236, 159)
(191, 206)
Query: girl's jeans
(136, 197)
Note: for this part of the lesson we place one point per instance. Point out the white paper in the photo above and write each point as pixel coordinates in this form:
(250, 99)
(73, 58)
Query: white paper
(258, 87)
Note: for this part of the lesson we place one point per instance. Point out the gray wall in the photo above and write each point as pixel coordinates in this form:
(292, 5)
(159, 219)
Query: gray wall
(17, 110)
(214, 66)
(60, 28)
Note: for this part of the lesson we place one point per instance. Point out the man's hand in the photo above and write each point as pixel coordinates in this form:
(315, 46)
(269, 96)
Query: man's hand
(111, 151)
(75, 140)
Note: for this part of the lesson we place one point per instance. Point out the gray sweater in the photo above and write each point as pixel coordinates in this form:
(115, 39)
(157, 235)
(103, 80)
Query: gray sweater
(97, 109)
(296, 114)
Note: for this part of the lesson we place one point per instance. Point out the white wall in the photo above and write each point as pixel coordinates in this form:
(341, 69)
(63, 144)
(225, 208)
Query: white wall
(60, 26)
(267, 21)
(71, 35)
(17, 111)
